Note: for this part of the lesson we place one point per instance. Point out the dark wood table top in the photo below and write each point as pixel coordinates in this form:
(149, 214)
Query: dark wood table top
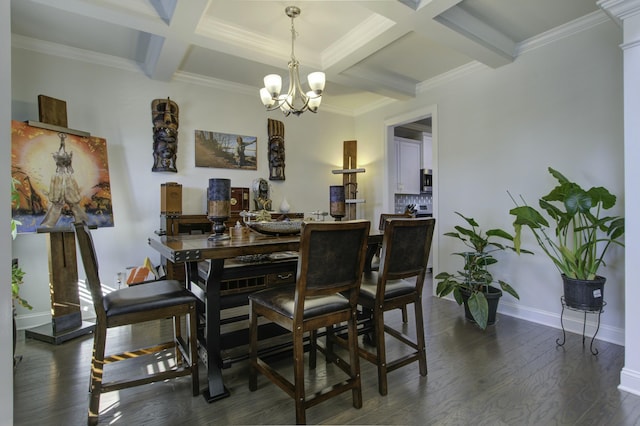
(189, 248)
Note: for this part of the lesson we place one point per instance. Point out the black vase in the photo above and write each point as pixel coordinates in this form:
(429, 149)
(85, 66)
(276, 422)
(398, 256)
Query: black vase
(586, 295)
(493, 296)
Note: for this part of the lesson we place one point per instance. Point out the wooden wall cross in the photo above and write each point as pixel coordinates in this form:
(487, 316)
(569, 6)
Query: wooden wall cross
(349, 173)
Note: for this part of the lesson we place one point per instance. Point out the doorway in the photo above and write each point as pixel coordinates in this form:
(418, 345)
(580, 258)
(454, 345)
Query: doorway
(414, 125)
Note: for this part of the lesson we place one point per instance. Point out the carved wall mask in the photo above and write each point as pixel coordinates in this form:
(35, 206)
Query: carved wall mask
(164, 113)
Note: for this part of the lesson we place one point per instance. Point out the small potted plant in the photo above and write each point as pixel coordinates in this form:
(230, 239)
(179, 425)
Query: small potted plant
(473, 286)
(576, 236)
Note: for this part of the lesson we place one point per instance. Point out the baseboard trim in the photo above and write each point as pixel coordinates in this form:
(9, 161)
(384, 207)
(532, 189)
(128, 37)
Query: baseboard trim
(630, 381)
(31, 320)
(572, 322)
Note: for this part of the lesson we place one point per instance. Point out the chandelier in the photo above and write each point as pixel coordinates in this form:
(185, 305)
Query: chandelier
(295, 101)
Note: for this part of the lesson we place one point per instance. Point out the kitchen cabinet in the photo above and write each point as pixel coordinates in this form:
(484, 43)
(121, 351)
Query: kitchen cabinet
(408, 165)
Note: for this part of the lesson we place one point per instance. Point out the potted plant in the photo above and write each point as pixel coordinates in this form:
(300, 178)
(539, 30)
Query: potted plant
(473, 286)
(575, 237)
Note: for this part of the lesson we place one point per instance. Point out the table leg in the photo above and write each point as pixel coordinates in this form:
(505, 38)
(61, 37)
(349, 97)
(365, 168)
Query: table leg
(215, 383)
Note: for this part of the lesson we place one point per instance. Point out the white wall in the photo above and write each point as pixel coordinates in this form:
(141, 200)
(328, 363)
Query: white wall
(116, 104)
(6, 330)
(559, 105)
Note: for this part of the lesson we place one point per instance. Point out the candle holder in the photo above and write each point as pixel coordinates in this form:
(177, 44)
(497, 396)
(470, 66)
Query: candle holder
(336, 202)
(218, 206)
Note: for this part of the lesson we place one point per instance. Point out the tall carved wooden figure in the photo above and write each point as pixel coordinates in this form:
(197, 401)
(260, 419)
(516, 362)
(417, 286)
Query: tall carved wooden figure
(276, 149)
(164, 113)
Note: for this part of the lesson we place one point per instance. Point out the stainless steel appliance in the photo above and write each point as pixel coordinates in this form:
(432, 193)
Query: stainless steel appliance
(424, 210)
(426, 180)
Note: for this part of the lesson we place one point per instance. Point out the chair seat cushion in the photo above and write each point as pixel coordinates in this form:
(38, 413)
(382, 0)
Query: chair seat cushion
(281, 300)
(394, 288)
(145, 297)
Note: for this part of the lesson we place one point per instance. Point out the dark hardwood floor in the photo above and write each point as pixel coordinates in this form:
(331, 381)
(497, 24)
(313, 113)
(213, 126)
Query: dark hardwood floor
(511, 374)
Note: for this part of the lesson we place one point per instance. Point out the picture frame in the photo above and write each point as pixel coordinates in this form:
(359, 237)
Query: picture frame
(225, 150)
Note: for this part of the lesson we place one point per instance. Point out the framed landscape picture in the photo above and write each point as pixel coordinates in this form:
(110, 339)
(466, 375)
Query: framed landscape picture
(225, 150)
(61, 178)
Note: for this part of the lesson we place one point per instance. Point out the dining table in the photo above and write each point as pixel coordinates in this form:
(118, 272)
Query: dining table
(193, 251)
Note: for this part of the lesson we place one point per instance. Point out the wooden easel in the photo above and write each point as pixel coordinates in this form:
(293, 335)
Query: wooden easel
(66, 316)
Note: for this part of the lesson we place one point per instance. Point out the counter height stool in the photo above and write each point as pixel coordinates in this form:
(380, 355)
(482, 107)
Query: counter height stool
(375, 265)
(330, 264)
(399, 281)
(144, 302)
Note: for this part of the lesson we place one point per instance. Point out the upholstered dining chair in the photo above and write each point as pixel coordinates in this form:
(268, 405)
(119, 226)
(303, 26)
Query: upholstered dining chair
(144, 302)
(399, 282)
(330, 264)
(375, 264)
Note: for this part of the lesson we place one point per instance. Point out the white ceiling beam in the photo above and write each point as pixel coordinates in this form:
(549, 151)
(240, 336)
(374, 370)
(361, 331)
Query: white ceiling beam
(360, 43)
(476, 30)
(164, 56)
(165, 8)
(465, 34)
(395, 87)
(393, 20)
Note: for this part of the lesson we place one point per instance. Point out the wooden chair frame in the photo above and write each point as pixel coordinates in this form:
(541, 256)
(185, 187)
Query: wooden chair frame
(399, 282)
(185, 350)
(331, 261)
(381, 226)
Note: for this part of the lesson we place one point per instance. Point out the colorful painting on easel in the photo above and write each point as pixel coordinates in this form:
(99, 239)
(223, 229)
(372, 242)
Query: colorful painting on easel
(61, 178)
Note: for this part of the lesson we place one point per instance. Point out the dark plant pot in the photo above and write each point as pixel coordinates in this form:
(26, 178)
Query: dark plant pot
(586, 295)
(493, 297)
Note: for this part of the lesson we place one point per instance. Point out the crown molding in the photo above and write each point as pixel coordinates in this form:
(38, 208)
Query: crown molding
(449, 76)
(570, 28)
(619, 10)
(62, 51)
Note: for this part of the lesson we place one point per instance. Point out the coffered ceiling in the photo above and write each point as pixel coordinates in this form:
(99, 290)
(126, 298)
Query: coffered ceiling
(371, 51)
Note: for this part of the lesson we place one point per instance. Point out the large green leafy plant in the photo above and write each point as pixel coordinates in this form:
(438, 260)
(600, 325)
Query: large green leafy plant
(474, 279)
(577, 233)
(17, 274)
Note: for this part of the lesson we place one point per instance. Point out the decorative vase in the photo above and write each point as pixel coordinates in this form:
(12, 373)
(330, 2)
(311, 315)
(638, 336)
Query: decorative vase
(585, 295)
(284, 206)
